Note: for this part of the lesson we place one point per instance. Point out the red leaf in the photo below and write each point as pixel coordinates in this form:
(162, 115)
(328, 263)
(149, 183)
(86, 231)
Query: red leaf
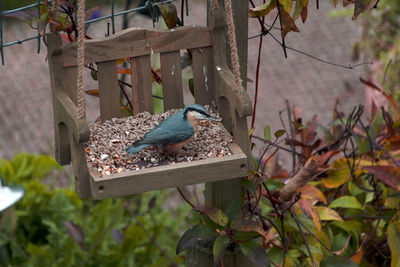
(288, 24)
(248, 224)
(389, 175)
(93, 92)
(303, 14)
(75, 231)
(388, 97)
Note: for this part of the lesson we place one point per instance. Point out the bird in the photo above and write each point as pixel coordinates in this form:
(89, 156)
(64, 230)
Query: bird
(175, 131)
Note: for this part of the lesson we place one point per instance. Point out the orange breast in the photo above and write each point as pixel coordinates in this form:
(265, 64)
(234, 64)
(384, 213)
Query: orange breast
(174, 148)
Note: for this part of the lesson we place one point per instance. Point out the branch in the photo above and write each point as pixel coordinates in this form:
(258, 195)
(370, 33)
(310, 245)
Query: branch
(300, 179)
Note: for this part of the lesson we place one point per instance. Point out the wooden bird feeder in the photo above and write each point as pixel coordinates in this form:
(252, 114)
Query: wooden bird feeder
(213, 83)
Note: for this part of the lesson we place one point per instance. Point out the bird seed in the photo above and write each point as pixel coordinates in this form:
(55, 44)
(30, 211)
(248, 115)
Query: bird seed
(105, 151)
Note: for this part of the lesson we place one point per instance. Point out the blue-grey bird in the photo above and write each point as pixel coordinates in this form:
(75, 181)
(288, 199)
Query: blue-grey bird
(175, 131)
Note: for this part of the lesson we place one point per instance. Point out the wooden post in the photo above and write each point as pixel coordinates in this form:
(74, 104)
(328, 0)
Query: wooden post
(220, 194)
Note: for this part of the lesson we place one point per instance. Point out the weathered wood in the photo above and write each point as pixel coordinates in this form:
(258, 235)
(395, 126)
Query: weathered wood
(135, 42)
(203, 76)
(171, 75)
(161, 177)
(80, 169)
(141, 84)
(220, 194)
(62, 147)
(70, 77)
(109, 90)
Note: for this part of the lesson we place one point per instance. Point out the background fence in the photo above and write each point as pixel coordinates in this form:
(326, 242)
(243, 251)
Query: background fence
(149, 5)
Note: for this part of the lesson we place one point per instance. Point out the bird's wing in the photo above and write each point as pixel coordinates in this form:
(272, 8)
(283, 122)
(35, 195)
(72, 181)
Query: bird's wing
(160, 136)
(170, 131)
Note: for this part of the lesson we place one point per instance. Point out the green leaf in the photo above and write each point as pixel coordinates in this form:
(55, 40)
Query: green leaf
(194, 235)
(393, 236)
(352, 227)
(279, 133)
(337, 261)
(287, 4)
(262, 10)
(299, 7)
(234, 209)
(273, 184)
(215, 214)
(267, 133)
(220, 245)
(327, 214)
(338, 175)
(255, 252)
(349, 202)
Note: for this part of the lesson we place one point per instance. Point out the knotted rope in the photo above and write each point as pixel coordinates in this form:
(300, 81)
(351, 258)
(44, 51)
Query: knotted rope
(232, 42)
(54, 8)
(81, 58)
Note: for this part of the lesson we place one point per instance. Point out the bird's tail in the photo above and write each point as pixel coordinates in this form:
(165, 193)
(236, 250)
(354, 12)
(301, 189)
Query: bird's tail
(136, 147)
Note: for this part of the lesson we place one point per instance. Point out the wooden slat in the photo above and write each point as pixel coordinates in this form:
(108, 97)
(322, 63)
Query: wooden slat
(203, 75)
(156, 178)
(135, 42)
(141, 85)
(70, 84)
(109, 90)
(171, 75)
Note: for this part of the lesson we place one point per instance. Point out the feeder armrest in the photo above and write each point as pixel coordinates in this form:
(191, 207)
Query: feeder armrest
(69, 115)
(241, 101)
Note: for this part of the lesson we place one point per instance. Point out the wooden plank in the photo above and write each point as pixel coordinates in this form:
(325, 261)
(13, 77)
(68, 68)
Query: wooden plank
(70, 76)
(109, 90)
(156, 178)
(171, 75)
(135, 42)
(62, 147)
(203, 75)
(141, 84)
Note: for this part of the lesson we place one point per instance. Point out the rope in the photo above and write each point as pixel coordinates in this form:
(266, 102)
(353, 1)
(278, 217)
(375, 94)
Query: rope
(54, 8)
(81, 59)
(232, 42)
(233, 45)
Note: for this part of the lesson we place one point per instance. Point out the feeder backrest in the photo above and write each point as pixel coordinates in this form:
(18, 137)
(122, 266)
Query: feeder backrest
(137, 45)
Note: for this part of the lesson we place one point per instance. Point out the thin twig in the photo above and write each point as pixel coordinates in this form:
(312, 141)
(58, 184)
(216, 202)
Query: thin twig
(386, 70)
(126, 96)
(303, 236)
(184, 197)
(293, 148)
(350, 67)
(278, 146)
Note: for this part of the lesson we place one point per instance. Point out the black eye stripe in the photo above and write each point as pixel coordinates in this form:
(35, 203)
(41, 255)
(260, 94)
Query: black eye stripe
(199, 111)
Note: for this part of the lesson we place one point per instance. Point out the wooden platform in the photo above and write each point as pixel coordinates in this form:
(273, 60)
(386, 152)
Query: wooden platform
(168, 176)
